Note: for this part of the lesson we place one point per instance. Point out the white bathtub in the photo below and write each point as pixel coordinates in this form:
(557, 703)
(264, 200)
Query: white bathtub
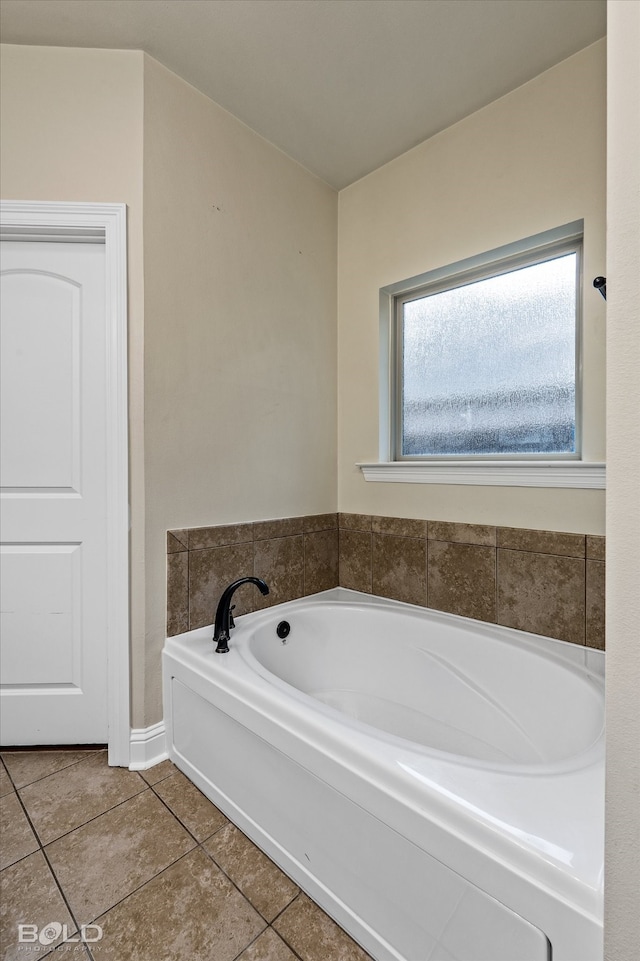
(434, 783)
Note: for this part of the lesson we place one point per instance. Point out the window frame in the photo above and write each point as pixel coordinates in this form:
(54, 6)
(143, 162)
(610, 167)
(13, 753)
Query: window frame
(527, 252)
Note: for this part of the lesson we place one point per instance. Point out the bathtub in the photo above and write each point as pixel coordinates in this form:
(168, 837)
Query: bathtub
(435, 783)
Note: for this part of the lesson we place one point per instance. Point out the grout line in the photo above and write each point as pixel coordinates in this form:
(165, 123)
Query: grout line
(201, 844)
(143, 885)
(233, 883)
(188, 589)
(585, 591)
(179, 820)
(295, 954)
(49, 865)
(295, 898)
(339, 926)
(495, 589)
(247, 946)
(304, 562)
(157, 874)
(96, 816)
(426, 570)
(51, 773)
(281, 936)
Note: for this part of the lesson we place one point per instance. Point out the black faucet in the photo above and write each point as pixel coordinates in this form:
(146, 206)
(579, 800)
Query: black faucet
(224, 619)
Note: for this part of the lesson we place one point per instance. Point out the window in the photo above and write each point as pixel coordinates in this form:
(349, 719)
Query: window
(484, 356)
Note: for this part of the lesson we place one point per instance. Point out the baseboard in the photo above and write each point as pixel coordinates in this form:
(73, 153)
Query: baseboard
(148, 746)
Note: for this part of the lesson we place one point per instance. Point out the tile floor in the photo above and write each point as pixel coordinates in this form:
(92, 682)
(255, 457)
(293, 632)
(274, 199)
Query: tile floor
(148, 859)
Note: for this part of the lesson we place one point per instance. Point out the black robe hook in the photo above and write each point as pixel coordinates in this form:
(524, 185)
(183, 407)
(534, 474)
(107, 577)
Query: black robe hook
(600, 283)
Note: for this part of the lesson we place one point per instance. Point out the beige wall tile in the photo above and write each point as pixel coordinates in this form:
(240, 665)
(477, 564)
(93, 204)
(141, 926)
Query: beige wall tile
(177, 593)
(596, 547)
(210, 571)
(295, 565)
(320, 561)
(201, 538)
(399, 568)
(595, 604)
(354, 522)
(401, 526)
(541, 542)
(319, 522)
(461, 579)
(480, 534)
(542, 593)
(177, 541)
(355, 560)
(279, 527)
(280, 562)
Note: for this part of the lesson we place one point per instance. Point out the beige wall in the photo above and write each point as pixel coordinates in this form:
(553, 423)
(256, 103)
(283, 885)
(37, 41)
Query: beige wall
(526, 163)
(622, 870)
(232, 300)
(240, 331)
(72, 131)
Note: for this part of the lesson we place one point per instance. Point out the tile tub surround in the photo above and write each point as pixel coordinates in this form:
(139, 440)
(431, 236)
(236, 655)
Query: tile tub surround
(296, 556)
(544, 582)
(152, 861)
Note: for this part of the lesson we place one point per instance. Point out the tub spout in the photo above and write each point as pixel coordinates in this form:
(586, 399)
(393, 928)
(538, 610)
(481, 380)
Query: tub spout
(224, 621)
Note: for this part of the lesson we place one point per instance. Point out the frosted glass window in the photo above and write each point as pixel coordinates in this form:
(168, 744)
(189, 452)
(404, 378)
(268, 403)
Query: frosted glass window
(489, 367)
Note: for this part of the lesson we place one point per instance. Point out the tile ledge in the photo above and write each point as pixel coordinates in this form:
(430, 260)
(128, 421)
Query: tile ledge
(572, 474)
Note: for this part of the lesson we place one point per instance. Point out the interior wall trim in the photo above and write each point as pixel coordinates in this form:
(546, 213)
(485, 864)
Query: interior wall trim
(573, 474)
(147, 746)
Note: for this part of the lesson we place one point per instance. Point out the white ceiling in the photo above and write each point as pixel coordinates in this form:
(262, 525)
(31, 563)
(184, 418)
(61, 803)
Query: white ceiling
(342, 86)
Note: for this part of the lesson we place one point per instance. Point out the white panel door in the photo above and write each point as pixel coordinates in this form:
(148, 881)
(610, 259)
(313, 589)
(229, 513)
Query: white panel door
(53, 432)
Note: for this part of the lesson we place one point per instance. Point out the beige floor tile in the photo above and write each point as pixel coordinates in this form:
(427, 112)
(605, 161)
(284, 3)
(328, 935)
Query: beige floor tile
(190, 912)
(103, 861)
(28, 766)
(196, 812)
(18, 839)
(261, 881)
(6, 787)
(63, 801)
(314, 936)
(158, 772)
(268, 947)
(30, 896)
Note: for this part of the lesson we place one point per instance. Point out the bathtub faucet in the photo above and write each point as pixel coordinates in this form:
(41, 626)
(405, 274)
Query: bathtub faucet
(224, 618)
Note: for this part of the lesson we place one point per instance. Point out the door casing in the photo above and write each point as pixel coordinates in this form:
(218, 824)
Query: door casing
(51, 221)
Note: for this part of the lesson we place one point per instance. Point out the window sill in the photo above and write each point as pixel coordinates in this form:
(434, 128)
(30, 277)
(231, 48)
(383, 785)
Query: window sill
(574, 474)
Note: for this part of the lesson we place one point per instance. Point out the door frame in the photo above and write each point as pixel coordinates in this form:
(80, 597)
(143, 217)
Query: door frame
(103, 223)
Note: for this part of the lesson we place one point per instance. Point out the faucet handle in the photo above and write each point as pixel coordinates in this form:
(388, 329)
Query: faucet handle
(232, 623)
